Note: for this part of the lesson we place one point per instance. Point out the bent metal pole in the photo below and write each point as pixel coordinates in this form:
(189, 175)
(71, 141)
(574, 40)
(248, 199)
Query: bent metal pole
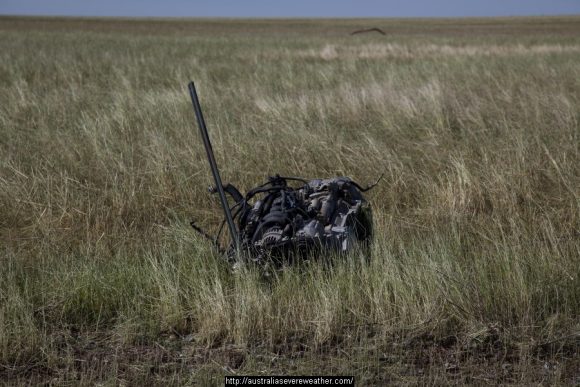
(213, 165)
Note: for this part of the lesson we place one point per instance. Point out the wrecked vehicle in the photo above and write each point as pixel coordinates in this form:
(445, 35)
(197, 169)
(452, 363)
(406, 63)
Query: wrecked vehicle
(288, 217)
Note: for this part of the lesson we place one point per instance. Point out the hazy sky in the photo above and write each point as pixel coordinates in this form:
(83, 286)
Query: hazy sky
(290, 8)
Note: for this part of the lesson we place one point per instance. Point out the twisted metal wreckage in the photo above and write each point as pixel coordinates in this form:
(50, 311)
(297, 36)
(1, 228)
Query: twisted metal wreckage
(276, 221)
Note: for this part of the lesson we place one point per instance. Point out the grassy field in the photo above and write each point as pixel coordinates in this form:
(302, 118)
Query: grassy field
(475, 268)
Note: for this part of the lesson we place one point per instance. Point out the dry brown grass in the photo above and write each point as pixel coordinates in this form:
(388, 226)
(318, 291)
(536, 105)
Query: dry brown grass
(474, 271)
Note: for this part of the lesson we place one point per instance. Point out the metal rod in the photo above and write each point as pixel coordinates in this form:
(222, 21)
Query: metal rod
(213, 165)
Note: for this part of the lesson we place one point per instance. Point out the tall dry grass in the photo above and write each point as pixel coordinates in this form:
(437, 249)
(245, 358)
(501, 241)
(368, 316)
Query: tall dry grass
(474, 269)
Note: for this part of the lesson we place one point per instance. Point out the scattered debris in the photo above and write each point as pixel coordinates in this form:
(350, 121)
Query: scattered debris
(366, 30)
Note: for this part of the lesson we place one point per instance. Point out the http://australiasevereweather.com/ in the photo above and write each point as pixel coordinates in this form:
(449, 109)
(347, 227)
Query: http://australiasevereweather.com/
(288, 380)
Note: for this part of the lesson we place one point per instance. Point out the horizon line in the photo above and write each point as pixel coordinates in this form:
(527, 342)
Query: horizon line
(54, 16)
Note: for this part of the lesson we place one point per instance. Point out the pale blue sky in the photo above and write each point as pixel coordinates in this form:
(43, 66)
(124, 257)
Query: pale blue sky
(290, 8)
